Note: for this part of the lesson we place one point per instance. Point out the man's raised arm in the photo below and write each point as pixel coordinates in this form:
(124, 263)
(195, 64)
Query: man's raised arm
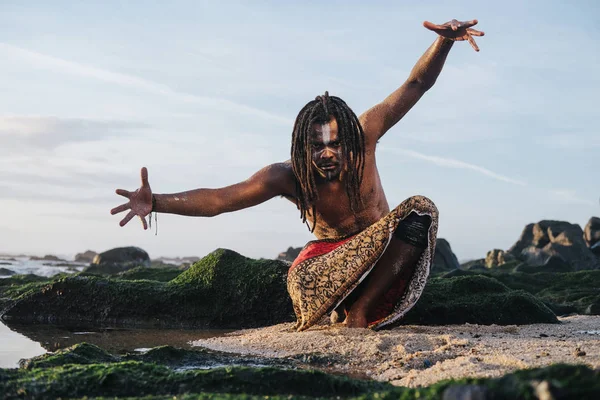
(273, 180)
(380, 118)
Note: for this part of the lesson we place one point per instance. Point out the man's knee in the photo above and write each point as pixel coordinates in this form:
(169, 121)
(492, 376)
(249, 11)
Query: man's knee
(414, 230)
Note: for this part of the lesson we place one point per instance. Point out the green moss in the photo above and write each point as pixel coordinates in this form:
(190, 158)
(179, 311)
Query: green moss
(562, 292)
(478, 300)
(223, 290)
(138, 379)
(82, 353)
(131, 378)
(153, 274)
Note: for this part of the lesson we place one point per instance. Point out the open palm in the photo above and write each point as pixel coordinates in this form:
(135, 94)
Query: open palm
(456, 30)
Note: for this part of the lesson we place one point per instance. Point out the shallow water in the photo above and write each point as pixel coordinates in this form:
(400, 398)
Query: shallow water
(23, 265)
(19, 341)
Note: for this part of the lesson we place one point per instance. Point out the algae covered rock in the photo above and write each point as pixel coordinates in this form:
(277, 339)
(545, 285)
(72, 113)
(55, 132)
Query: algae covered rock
(476, 299)
(6, 271)
(163, 274)
(74, 374)
(223, 290)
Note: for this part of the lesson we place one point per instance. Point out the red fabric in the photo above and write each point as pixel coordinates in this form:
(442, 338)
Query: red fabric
(315, 249)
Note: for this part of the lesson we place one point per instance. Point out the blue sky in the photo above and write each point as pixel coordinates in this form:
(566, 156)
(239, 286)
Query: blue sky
(205, 93)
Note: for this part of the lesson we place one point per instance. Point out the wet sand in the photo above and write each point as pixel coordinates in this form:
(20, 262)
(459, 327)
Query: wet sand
(421, 355)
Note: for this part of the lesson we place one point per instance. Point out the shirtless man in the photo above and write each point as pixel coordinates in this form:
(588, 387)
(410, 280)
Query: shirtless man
(332, 176)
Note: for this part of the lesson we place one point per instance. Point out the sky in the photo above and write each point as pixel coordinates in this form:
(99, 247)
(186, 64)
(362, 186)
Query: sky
(204, 94)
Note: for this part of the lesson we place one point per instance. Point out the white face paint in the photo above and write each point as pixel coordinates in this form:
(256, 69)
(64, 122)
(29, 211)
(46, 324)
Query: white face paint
(326, 130)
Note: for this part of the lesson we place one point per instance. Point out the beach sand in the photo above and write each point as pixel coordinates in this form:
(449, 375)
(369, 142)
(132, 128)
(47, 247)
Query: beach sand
(413, 355)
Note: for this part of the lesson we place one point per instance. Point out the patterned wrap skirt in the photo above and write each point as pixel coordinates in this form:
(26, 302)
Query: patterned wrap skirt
(327, 271)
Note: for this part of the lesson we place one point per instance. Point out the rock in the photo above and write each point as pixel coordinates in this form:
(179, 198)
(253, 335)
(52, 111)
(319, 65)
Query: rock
(4, 271)
(466, 392)
(222, 290)
(552, 263)
(117, 260)
(497, 257)
(152, 274)
(46, 258)
(444, 259)
(593, 309)
(476, 299)
(591, 234)
(290, 254)
(85, 257)
(554, 238)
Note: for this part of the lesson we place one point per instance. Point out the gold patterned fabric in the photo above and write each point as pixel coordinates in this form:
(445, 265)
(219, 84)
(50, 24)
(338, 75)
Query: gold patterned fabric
(327, 271)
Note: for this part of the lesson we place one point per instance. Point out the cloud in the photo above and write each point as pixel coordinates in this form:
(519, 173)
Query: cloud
(51, 132)
(452, 163)
(65, 66)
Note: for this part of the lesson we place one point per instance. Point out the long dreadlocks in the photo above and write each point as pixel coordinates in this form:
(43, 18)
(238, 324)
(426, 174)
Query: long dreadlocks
(352, 140)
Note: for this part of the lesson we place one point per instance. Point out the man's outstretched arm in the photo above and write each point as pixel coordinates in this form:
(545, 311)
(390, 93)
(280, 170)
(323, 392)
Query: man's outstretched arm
(273, 180)
(379, 119)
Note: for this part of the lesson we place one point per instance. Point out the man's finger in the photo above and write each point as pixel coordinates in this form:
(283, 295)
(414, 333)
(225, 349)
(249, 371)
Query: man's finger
(433, 27)
(468, 24)
(454, 24)
(475, 32)
(472, 41)
(144, 177)
(127, 218)
(120, 208)
(144, 222)
(123, 193)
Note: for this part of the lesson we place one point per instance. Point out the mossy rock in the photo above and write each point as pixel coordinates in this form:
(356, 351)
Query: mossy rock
(222, 290)
(564, 293)
(199, 358)
(152, 274)
(477, 300)
(137, 379)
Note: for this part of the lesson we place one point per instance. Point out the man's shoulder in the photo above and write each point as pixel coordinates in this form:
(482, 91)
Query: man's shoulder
(281, 175)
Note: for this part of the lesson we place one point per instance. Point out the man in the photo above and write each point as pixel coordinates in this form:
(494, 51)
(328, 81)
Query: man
(368, 263)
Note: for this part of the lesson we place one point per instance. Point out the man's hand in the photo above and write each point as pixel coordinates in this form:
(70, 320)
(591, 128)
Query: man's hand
(456, 30)
(140, 201)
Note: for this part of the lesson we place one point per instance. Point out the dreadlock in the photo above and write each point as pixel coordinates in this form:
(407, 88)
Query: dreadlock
(352, 140)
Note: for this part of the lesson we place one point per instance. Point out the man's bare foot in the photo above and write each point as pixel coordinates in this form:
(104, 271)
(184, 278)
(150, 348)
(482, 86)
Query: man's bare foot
(356, 320)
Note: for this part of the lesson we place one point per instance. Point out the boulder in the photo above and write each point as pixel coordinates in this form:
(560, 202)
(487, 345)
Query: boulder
(85, 257)
(117, 260)
(290, 254)
(548, 238)
(6, 272)
(476, 299)
(591, 234)
(497, 257)
(444, 259)
(222, 290)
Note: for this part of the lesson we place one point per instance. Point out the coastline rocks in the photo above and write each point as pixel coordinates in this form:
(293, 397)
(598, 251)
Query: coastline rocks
(87, 371)
(117, 260)
(476, 299)
(47, 257)
(222, 290)
(6, 272)
(591, 235)
(86, 257)
(540, 241)
(444, 259)
(496, 257)
(290, 254)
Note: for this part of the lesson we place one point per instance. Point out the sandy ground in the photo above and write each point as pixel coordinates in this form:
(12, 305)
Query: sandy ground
(420, 355)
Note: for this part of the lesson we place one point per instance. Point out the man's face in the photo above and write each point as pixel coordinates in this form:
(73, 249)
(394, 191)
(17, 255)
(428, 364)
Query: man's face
(326, 149)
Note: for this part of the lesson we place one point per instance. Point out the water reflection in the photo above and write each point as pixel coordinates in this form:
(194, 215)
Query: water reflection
(29, 340)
